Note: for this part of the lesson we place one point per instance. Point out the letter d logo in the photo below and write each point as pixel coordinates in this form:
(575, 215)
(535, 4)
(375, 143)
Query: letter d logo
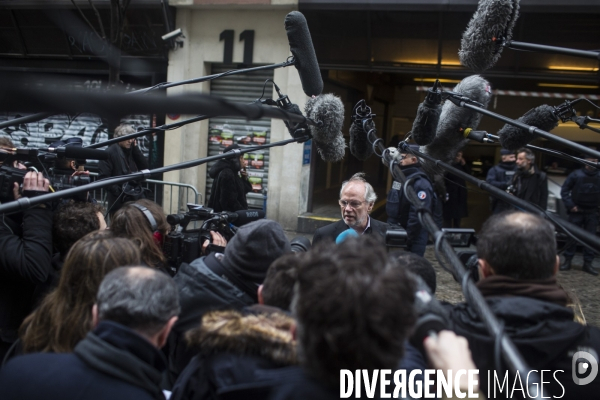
(580, 368)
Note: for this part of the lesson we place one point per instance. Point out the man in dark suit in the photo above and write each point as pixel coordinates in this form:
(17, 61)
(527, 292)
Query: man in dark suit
(357, 198)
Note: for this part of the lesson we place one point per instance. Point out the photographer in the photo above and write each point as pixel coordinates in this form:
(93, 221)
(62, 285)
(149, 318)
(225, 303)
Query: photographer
(124, 158)
(229, 280)
(25, 258)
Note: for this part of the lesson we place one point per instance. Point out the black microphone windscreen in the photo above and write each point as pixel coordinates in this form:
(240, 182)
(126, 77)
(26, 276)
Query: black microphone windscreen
(81, 153)
(480, 48)
(359, 144)
(449, 138)
(332, 151)
(301, 46)
(543, 117)
(328, 111)
(247, 216)
(425, 125)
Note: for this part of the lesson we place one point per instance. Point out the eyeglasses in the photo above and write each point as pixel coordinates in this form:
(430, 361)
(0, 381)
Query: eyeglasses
(352, 203)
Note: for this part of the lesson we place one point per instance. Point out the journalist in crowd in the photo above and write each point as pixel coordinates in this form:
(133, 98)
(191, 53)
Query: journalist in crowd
(228, 280)
(25, 260)
(134, 312)
(517, 269)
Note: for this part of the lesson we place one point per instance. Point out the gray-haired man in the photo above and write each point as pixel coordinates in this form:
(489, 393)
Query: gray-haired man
(120, 359)
(357, 199)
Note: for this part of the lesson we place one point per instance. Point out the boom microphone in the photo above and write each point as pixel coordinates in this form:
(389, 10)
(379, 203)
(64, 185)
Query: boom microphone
(449, 138)
(359, 142)
(428, 116)
(328, 111)
(243, 217)
(542, 117)
(305, 59)
(492, 23)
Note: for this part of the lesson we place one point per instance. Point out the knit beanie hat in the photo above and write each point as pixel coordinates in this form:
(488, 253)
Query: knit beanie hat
(253, 248)
(505, 152)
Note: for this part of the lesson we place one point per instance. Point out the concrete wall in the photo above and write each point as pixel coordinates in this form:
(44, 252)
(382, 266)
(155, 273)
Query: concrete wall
(202, 47)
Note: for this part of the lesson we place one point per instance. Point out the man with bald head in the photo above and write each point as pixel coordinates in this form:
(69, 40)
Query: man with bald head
(135, 309)
(357, 199)
(517, 269)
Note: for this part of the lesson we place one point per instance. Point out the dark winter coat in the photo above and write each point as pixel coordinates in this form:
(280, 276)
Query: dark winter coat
(228, 191)
(238, 354)
(501, 176)
(120, 162)
(400, 210)
(25, 263)
(544, 333)
(378, 229)
(532, 187)
(456, 192)
(296, 383)
(200, 291)
(112, 362)
(575, 181)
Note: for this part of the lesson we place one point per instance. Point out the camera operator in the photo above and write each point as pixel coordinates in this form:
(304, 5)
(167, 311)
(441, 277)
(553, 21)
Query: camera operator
(229, 280)
(124, 158)
(25, 258)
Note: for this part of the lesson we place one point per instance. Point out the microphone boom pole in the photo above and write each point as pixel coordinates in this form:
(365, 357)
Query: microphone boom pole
(511, 44)
(532, 129)
(25, 202)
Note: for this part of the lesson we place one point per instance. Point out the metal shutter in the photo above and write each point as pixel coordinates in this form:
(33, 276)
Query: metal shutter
(243, 88)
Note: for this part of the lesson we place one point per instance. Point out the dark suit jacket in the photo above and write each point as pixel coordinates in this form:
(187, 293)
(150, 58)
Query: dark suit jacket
(332, 231)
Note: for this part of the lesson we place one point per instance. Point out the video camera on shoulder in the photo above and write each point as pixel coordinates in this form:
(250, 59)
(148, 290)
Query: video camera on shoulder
(185, 245)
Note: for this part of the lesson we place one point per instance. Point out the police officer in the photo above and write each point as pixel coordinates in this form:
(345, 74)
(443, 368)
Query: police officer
(581, 196)
(399, 209)
(501, 176)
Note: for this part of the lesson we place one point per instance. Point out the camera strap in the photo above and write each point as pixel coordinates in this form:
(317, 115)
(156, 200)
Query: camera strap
(221, 271)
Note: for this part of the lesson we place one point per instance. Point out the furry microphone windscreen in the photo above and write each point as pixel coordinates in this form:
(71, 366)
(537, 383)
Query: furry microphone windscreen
(301, 46)
(328, 111)
(426, 121)
(543, 117)
(494, 19)
(449, 138)
(359, 143)
(333, 151)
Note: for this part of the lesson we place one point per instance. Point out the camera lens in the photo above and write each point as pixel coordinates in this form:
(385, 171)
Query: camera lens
(300, 244)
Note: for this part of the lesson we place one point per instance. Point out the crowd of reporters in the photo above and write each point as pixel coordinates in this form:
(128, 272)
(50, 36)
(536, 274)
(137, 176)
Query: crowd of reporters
(94, 313)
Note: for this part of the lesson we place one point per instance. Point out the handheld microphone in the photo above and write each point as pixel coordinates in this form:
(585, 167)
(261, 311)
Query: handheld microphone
(428, 116)
(328, 111)
(305, 59)
(491, 25)
(243, 217)
(542, 117)
(348, 233)
(453, 119)
(359, 142)
(79, 153)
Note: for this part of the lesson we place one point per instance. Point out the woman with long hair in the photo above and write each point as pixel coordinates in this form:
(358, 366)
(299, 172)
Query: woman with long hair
(144, 222)
(65, 315)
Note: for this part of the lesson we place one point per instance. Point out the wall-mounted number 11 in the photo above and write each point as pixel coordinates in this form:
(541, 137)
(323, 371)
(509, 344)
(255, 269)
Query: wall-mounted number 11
(247, 36)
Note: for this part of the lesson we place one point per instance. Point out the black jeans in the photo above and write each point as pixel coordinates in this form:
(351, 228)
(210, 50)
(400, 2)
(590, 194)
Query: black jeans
(589, 222)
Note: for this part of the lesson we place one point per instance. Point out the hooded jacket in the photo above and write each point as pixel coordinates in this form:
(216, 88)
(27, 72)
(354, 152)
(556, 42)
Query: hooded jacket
(542, 330)
(238, 353)
(228, 191)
